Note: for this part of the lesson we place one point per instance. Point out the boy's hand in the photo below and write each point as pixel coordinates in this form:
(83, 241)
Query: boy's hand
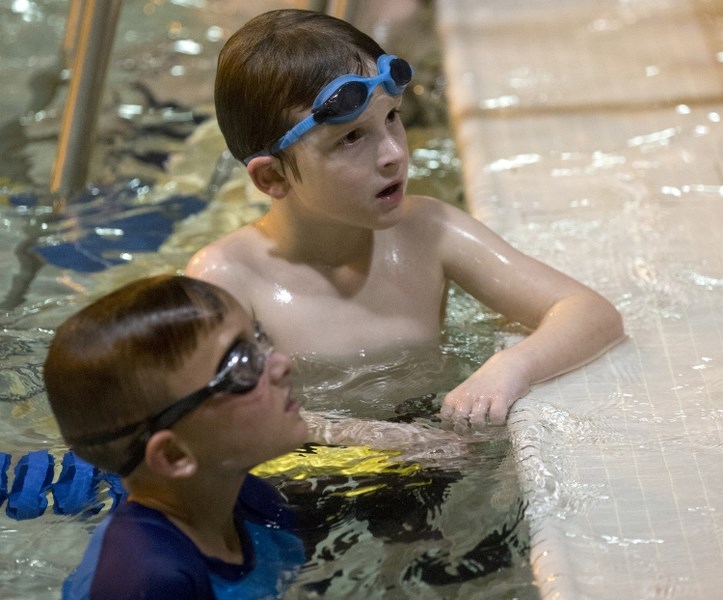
(485, 397)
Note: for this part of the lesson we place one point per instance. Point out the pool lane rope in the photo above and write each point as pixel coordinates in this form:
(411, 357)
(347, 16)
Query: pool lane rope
(75, 492)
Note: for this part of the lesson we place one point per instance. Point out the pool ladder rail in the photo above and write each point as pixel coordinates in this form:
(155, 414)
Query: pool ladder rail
(89, 35)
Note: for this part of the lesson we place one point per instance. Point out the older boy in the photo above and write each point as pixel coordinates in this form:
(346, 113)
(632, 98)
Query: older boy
(346, 262)
(168, 382)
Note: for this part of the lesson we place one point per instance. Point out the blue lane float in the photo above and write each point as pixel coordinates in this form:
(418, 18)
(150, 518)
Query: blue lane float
(76, 491)
(33, 476)
(4, 464)
(76, 488)
(116, 491)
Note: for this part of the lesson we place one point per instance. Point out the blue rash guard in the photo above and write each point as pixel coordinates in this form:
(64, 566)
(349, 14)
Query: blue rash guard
(138, 553)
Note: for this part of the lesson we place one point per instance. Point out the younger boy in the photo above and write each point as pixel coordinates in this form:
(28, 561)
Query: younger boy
(169, 383)
(344, 261)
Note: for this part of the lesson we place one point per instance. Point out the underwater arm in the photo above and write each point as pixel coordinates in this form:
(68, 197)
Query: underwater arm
(411, 441)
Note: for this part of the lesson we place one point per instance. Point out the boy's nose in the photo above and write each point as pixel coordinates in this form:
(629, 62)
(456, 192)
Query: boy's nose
(392, 150)
(279, 365)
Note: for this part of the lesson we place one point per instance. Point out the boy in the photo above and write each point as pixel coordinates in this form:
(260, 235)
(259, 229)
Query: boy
(169, 383)
(345, 262)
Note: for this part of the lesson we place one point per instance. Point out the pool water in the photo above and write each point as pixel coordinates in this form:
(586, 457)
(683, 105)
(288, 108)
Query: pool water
(393, 504)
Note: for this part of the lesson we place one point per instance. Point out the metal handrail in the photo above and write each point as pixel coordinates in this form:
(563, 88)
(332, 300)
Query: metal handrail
(90, 32)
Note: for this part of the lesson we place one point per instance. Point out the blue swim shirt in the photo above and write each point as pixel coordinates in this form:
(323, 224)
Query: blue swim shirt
(136, 552)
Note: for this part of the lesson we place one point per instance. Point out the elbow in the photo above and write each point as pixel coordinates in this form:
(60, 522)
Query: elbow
(612, 325)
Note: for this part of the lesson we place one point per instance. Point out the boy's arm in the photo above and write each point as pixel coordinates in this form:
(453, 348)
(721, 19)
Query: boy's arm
(571, 324)
(412, 441)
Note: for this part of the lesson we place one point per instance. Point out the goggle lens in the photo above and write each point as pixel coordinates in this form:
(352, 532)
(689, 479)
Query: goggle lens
(345, 101)
(243, 369)
(401, 72)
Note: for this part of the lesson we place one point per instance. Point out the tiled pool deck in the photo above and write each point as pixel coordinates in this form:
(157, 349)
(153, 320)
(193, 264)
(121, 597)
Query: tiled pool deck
(591, 138)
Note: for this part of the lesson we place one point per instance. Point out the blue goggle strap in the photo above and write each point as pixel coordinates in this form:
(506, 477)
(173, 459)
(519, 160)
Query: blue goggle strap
(384, 77)
(292, 135)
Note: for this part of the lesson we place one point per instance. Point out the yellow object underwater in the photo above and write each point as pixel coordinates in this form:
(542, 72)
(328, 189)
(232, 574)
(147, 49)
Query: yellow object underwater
(315, 461)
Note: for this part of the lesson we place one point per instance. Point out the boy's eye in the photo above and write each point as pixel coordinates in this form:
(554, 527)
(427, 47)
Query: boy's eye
(393, 115)
(351, 137)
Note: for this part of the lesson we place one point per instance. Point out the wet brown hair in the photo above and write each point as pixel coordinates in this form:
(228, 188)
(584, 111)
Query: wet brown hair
(274, 66)
(108, 365)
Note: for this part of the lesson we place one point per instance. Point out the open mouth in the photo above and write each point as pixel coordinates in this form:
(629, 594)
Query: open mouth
(388, 191)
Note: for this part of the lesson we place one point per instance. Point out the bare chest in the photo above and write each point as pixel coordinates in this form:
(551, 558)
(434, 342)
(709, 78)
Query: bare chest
(344, 311)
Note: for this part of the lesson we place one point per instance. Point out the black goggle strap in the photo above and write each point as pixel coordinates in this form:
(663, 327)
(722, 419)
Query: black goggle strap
(165, 419)
(136, 453)
(176, 411)
(101, 438)
(171, 415)
(179, 409)
(136, 448)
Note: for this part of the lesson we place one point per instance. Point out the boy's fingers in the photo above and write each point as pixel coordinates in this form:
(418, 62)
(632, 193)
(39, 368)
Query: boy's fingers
(479, 416)
(465, 408)
(498, 415)
(479, 411)
(457, 405)
(451, 408)
(446, 411)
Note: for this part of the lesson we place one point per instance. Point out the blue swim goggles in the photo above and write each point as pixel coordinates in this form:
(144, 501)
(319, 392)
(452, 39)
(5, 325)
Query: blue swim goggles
(344, 99)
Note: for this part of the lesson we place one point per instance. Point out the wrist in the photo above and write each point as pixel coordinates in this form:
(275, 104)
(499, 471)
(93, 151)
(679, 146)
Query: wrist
(514, 367)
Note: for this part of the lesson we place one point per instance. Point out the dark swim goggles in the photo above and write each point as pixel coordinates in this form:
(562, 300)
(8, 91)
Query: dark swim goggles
(239, 372)
(344, 99)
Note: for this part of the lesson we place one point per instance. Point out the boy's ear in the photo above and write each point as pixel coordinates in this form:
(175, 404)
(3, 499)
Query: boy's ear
(169, 456)
(266, 173)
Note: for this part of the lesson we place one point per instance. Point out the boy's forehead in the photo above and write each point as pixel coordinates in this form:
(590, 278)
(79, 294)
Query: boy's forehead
(235, 323)
(366, 68)
(238, 322)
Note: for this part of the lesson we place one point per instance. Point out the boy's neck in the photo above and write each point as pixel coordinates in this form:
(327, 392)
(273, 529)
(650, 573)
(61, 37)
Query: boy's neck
(317, 243)
(203, 512)
(218, 539)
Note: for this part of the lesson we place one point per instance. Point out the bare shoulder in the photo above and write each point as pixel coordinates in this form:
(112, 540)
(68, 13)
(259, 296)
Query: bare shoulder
(232, 250)
(430, 210)
(438, 232)
(229, 260)
(424, 208)
(435, 217)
